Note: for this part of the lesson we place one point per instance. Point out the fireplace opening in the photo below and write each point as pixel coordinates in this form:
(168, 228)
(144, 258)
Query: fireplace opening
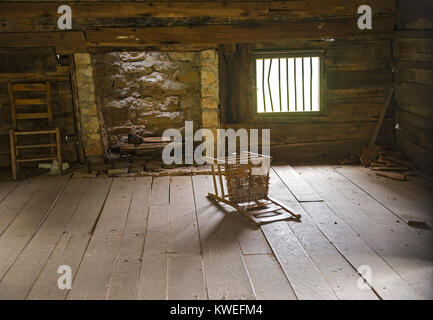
(143, 93)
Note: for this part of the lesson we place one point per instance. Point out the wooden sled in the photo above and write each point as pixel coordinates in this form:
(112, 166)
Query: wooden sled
(246, 189)
(266, 213)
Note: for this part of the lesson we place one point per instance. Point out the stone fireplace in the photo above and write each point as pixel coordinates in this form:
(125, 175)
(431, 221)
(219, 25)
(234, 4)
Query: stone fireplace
(144, 92)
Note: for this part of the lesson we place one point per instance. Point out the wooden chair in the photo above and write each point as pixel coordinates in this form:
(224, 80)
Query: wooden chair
(17, 103)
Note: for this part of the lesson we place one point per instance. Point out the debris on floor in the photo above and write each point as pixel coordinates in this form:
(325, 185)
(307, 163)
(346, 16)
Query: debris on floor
(389, 164)
(137, 168)
(418, 225)
(53, 166)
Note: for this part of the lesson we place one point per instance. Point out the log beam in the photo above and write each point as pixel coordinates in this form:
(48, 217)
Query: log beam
(207, 35)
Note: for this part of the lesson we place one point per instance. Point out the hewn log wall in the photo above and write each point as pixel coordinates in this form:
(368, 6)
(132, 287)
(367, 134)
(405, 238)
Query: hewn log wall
(192, 24)
(357, 79)
(413, 54)
(358, 63)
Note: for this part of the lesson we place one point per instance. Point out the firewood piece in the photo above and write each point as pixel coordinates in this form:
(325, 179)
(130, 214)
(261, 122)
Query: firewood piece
(156, 139)
(392, 175)
(124, 148)
(381, 160)
(399, 161)
(389, 168)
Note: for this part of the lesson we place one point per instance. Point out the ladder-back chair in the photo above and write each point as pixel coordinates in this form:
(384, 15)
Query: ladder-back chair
(16, 104)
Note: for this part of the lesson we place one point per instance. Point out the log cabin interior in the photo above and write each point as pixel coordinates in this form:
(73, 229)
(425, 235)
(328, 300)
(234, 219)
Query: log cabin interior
(87, 92)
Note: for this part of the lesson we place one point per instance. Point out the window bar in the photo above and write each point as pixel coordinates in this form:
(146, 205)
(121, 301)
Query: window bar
(311, 83)
(279, 82)
(269, 85)
(303, 86)
(296, 92)
(263, 85)
(287, 79)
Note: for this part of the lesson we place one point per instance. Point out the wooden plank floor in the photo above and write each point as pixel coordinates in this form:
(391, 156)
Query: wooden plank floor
(161, 238)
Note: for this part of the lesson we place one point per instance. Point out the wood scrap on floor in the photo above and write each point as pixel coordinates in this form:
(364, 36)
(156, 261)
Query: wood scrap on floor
(418, 225)
(351, 159)
(393, 175)
(389, 164)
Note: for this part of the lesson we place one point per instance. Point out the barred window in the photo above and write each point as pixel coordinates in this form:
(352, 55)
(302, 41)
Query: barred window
(288, 83)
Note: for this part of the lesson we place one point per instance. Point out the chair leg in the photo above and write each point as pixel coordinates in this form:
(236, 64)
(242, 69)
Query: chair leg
(13, 155)
(52, 149)
(59, 151)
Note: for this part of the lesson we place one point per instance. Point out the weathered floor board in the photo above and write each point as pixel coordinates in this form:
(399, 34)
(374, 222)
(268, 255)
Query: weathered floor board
(385, 281)
(409, 200)
(224, 257)
(162, 238)
(23, 228)
(220, 248)
(389, 245)
(152, 283)
(15, 201)
(298, 186)
(94, 274)
(19, 279)
(341, 276)
(185, 266)
(306, 280)
(124, 280)
(6, 187)
(382, 215)
(268, 278)
(74, 241)
(160, 191)
(185, 277)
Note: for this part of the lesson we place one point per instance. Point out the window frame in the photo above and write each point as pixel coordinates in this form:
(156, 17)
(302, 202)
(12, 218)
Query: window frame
(284, 116)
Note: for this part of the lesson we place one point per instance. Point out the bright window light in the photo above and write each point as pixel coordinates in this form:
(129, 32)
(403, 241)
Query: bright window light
(289, 84)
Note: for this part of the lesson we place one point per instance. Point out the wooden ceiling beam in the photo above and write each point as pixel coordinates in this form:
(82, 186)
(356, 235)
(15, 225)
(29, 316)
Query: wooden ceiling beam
(206, 35)
(199, 36)
(42, 16)
(320, 8)
(63, 41)
(125, 9)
